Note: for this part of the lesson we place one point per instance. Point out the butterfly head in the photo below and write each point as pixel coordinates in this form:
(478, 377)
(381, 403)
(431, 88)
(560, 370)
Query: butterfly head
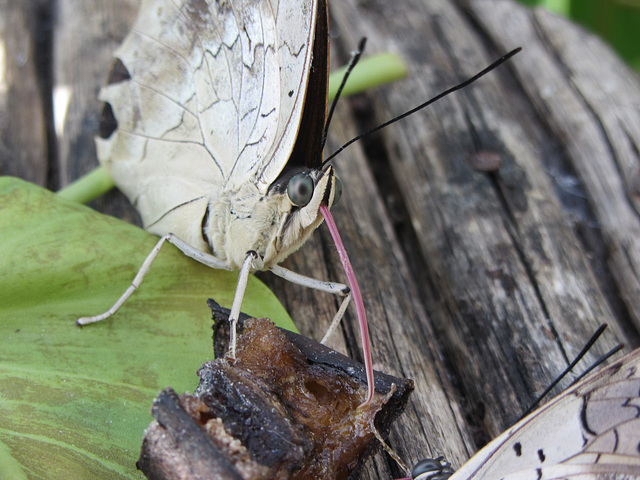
(301, 193)
(274, 223)
(432, 469)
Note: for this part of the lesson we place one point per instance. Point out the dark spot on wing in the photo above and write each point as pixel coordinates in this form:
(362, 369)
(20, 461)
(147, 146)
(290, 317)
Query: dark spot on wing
(118, 73)
(290, 93)
(295, 54)
(203, 229)
(584, 420)
(541, 456)
(517, 447)
(108, 123)
(270, 112)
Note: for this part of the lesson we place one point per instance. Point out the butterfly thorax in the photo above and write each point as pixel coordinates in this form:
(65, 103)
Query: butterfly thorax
(245, 219)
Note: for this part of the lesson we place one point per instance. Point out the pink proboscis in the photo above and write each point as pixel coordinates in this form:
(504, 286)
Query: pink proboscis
(357, 298)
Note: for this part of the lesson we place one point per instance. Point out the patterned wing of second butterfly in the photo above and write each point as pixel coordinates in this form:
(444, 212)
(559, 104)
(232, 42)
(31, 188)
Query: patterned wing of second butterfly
(590, 431)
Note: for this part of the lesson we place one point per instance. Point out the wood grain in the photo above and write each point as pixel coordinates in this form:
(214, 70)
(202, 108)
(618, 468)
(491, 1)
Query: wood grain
(479, 285)
(85, 36)
(23, 134)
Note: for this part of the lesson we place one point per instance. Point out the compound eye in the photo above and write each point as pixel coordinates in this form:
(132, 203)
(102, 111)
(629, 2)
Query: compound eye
(337, 191)
(300, 189)
(432, 469)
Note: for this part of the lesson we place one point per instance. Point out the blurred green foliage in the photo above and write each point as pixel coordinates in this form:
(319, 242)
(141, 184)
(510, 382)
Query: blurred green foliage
(616, 21)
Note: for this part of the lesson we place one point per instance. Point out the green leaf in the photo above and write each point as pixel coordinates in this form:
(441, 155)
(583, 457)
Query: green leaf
(74, 402)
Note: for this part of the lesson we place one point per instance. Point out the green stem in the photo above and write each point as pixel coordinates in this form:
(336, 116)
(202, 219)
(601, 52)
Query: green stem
(369, 72)
(88, 187)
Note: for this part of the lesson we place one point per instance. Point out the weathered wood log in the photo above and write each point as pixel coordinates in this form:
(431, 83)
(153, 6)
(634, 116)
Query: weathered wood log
(23, 100)
(286, 407)
(479, 285)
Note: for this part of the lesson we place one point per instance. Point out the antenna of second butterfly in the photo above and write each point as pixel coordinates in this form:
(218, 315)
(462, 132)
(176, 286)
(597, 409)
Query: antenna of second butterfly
(495, 64)
(575, 361)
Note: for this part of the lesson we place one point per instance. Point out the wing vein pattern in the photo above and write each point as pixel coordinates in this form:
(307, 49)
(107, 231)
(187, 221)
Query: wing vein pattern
(213, 100)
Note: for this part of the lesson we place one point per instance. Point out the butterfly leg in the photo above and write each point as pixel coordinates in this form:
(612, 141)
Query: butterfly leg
(198, 255)
(187, 249)
(330, 287)
(337, 318)
(243, 279)
(248, 266)
(146, 265)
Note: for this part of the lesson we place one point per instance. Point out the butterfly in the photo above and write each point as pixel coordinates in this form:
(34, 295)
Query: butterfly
(212, 126)
(590, 431)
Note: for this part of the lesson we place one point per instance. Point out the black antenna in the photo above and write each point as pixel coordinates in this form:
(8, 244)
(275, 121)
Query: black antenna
(582, 353)
(355, 58)
(495, 64)
(605, 357)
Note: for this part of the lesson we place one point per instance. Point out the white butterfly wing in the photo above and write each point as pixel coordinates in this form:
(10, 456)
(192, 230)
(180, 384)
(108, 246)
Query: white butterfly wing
(592, 430)
(209, 95)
